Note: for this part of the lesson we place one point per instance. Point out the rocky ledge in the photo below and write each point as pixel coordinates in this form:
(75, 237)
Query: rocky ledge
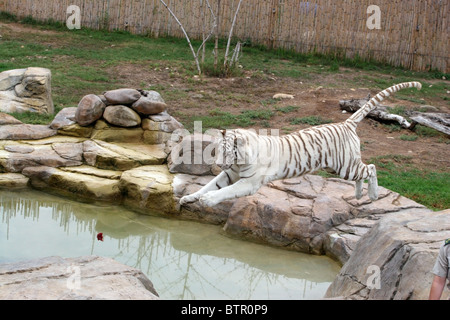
(132, 166)
(83, 278)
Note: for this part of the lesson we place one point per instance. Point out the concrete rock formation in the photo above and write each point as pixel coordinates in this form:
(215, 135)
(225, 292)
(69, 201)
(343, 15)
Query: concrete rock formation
(121, 107)
(26, 90)
(54, 278)
(402, 248)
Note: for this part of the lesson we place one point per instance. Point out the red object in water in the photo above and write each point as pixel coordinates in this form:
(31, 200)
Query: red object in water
(100, 236)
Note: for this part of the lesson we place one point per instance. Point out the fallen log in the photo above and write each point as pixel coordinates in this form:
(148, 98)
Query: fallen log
(437, 121)
(380, 113)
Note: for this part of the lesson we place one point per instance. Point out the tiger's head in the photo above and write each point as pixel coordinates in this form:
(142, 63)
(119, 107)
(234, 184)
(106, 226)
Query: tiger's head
(228, 149)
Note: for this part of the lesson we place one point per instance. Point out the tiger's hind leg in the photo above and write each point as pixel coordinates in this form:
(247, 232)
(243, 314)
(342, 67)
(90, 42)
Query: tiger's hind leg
(373, 182)
(359, 189)
(370, 173)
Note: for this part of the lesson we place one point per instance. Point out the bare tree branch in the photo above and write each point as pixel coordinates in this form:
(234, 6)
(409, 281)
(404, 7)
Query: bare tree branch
(187, 37)
(231, 33)
(212, 28)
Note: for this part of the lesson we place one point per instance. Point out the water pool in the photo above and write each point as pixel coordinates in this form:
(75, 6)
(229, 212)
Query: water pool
(183, 259)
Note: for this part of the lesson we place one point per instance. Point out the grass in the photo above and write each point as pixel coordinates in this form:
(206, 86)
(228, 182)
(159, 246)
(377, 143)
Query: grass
(407, 137)
(287, 109)
(33, 117)
(395, 172)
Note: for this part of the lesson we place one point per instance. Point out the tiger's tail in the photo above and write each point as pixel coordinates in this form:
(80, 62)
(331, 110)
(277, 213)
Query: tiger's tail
(372, 103)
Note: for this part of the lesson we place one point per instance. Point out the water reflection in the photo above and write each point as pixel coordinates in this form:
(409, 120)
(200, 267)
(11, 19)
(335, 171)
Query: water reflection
(184, 260)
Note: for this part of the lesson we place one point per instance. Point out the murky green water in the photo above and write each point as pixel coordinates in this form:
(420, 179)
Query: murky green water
(184, 260)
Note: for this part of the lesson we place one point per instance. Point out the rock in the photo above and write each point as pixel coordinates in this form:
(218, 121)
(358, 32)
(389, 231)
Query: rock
(64, 118)
(104, 131)
(10, 78)
(124, 156)
(17, 148)
(155, 137)
(403, 249)
(69, 151)
(13, 181)
(8, 119)
(88, 187)
(160, 128)
(121, 116)
(25, 132)
(89, 110)
(184, 184)
(26, 90)
(194, 155)
(75, 130)
(41, 156)
(149, 103)
(161, 122)
(148, 190)
(56, 278)
(122, 96)
(107, 174)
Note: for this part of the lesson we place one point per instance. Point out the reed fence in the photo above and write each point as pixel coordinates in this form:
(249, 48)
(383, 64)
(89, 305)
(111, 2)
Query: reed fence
(413, 34)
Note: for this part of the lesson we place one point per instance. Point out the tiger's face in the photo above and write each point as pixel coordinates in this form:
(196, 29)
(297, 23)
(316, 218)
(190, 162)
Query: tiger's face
(227, 150)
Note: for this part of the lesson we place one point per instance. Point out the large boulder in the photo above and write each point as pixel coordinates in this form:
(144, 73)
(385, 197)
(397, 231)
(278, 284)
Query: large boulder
(122, 96)
(194, 155)
(148, 190)
(90, 109)
(394, 259)
(93, 185)
(65, 117)
(25, 132)
(160, 128)
(149, 103)
(81, 278)
(121, 156)
(8, 119)
(14, 158)
(121, 116)
(13, 181)
(26, 90)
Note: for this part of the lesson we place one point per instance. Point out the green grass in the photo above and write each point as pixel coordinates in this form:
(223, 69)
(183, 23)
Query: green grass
(287, 109)
(432, 189)
(33, 117)
(407, 137)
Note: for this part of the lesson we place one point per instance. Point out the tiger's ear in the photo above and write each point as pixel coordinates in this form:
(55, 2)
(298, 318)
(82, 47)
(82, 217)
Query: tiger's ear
(223, 132)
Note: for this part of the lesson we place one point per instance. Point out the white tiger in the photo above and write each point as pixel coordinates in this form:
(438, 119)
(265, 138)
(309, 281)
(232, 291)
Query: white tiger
(249, 160)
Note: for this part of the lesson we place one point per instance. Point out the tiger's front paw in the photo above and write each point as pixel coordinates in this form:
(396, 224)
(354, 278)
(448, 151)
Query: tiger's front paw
(188, 199)
(209, 200)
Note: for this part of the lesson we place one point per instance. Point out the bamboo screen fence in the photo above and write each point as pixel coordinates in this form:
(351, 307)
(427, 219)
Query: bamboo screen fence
(413, 34)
